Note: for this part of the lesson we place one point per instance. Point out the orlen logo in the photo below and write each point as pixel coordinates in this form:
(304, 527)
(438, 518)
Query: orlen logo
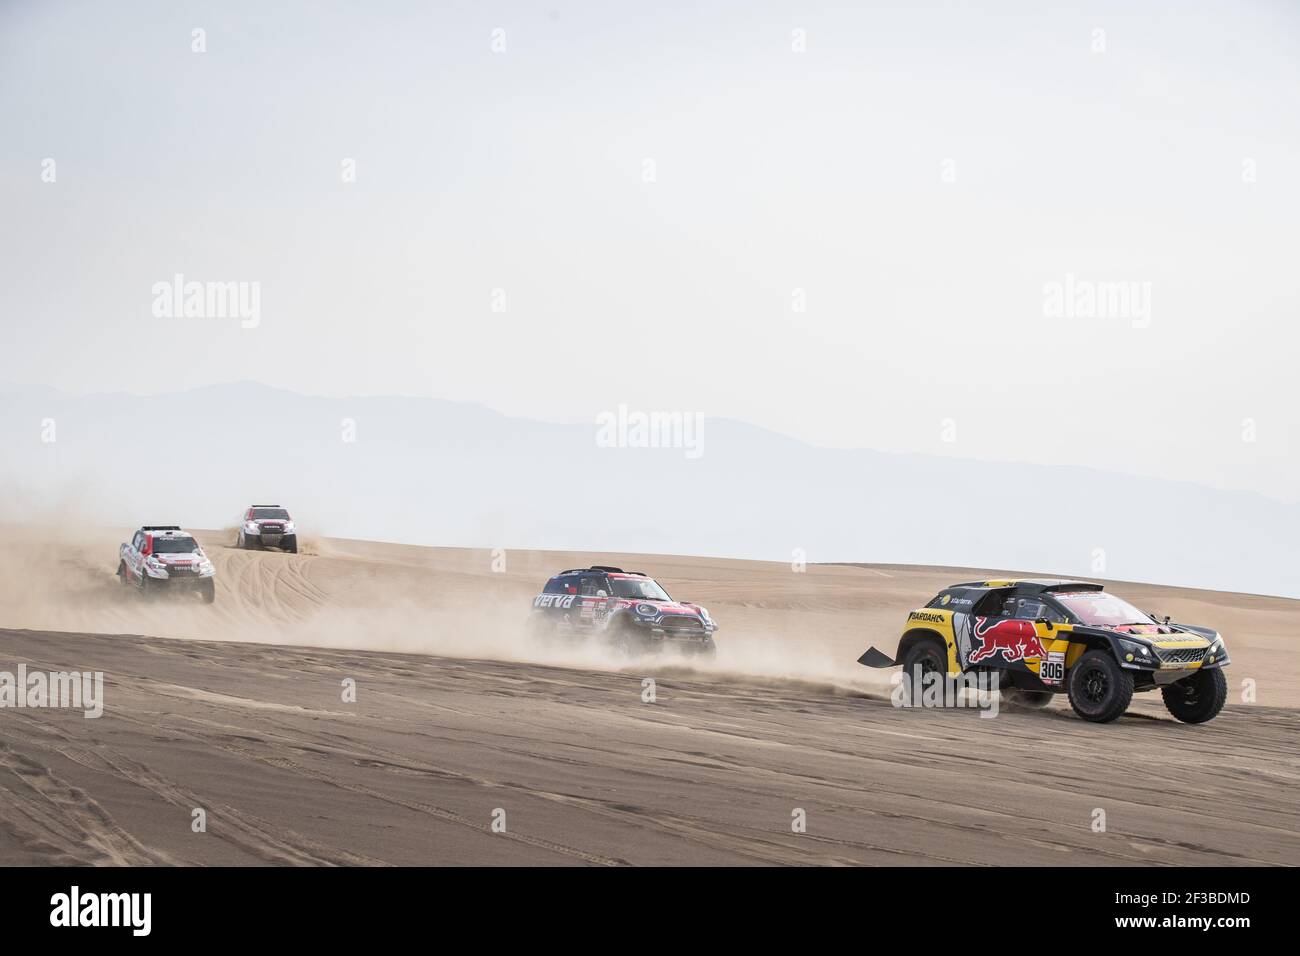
(1014, 640)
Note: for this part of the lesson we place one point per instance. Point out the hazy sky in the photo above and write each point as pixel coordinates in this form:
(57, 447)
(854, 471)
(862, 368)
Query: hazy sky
(852, 244)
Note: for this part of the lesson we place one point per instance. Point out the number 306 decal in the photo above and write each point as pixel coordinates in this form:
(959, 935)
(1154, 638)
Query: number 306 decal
(1052, 670)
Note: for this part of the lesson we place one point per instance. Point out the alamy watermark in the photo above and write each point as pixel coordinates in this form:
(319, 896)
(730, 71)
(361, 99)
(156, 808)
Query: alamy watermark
(75, 908)
(635, 429)
(975, 689)
(179, 299)
(69, 690)
(1077, 298)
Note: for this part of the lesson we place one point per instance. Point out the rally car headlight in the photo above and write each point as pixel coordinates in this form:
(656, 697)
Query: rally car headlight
(250, 526)
(289, 527)
(647, 610)
(1133, 652)
(1217, 654)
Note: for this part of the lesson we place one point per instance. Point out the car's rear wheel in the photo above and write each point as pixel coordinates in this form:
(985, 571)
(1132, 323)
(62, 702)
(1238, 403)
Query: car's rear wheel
(924, 657)
(1028, 699)
(1198, 698)
(1100, 690)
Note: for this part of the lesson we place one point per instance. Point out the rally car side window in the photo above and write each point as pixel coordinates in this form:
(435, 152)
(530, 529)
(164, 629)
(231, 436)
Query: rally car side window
(1032, 607)
(554, 586)
(1028, 609)
(993, 604)
(592, 583)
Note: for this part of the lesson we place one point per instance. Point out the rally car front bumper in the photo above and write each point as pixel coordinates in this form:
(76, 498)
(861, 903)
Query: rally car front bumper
(268, 538)
(682, 633)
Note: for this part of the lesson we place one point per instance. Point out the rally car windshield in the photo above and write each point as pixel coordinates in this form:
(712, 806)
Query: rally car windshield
(261, 513)
(641, 589)
(174, 545)
(1101, 609)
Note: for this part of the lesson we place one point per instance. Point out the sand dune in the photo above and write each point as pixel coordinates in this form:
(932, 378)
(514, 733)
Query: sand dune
(458, 715)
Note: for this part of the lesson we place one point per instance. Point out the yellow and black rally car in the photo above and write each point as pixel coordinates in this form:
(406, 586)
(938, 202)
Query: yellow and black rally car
(1045, 637)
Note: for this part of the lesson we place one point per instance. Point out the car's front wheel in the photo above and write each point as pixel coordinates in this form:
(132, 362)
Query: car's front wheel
(1198, 698)
(627, 642)
(1100, 690)
(208, 589)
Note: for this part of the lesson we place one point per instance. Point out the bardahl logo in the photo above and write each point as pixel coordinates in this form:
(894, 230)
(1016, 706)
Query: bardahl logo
(102, 909)
(927, 616)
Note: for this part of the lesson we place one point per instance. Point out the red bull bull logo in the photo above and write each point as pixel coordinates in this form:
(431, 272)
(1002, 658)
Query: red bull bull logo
(1014, 640)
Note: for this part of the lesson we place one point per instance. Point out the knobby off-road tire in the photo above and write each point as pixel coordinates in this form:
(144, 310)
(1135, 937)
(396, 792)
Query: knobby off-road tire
(1100, 690)
(1199, 698)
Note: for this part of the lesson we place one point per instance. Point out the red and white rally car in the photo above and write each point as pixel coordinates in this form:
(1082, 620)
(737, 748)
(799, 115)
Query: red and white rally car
(267, 526)
(165, 558)
(627, 609)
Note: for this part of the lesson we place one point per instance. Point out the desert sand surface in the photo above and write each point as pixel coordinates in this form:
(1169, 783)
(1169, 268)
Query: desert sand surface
(460, 722)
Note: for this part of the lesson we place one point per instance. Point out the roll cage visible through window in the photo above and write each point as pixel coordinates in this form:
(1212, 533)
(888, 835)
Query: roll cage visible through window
(592, 584)
(1039, 606)
(1020, 604)
(992, 604)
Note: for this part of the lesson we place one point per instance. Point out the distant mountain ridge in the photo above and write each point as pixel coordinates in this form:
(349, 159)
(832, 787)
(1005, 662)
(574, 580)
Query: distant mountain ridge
(430, 471)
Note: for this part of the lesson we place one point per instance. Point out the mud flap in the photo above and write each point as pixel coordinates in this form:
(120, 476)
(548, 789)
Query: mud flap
(874, 658)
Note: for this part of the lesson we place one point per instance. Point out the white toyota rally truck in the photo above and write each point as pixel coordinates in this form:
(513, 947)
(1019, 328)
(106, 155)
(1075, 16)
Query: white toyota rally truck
(163, 558)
